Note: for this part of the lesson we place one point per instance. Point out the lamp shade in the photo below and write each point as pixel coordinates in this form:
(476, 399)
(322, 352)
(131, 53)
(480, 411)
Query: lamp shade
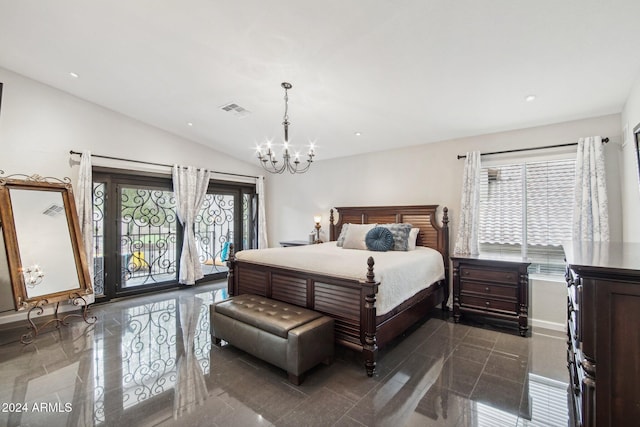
(317, 219)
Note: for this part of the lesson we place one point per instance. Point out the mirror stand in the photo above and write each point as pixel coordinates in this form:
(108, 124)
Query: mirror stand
(46, 259)
(57, 320)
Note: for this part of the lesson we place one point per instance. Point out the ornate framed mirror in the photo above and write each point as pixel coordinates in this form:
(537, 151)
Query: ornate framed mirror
(46, 259)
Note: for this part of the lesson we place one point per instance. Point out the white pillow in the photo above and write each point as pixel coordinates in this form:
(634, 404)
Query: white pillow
(413, 237)
(356, 234)
(343, 234)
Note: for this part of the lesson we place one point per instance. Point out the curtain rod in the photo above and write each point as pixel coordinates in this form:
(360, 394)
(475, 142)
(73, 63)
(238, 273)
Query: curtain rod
(157, 164)
(605, 140)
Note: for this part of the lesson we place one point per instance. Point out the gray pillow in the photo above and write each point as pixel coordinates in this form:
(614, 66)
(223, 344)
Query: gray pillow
(400, 233)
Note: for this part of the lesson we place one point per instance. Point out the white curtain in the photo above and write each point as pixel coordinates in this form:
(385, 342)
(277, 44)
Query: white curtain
(467, 237)
(262, 216)
(84, 206)
(190, 188)
(591, 205)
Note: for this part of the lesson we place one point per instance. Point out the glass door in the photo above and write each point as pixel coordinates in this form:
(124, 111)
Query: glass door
(138, 236)
(215, 231)
(148, 224)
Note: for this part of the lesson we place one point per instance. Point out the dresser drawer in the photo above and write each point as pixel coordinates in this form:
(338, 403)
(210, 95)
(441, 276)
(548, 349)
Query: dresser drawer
(488, 304)
(575, 385)
(575, 310)
(573, 331)
(489, 290)
(494, 275)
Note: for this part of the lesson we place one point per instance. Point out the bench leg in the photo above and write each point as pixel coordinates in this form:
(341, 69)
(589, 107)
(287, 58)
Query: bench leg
(295, 379)
(216, 341)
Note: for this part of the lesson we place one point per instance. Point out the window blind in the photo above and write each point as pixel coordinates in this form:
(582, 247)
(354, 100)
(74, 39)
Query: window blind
(525, 209)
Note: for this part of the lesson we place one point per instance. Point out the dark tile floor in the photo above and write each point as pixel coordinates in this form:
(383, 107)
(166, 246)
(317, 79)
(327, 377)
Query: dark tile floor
(148, 361)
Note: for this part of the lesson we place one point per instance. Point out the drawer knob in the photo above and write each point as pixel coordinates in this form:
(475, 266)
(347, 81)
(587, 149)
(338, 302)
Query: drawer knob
(487, 289)
(509, 276)
(488, 303)
(466, 272)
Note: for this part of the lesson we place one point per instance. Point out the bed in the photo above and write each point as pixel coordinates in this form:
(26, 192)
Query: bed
(351, 299)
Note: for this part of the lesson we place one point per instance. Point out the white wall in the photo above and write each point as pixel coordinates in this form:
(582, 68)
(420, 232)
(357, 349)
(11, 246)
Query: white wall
(426, 174)
(39, 125)
(630, 183)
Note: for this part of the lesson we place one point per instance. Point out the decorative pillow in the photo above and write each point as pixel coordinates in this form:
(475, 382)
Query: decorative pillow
(224, 253)
(400, 235)
(343, 234)
(356, 235)
(379, 239)
(413, 238)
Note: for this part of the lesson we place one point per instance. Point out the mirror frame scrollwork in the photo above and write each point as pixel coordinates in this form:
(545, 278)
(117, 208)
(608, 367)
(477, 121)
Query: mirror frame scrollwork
(8, 225)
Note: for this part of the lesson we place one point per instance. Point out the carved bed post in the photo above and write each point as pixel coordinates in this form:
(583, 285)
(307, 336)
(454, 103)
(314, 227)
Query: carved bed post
(332, 227)
(231, 265)
(368, 320)
(445, 233)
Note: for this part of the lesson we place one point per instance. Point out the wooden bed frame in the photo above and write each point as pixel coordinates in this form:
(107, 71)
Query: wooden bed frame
(352, 303)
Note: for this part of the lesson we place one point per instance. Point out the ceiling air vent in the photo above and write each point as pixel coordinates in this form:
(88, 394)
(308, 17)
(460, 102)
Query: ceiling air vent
(53, 210)
(234, 108)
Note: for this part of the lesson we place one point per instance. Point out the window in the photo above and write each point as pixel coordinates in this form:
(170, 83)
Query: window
(526, 209)
(138, 237)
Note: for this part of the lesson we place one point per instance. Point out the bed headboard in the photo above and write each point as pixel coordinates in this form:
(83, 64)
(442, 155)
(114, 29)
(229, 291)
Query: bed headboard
(422, 216)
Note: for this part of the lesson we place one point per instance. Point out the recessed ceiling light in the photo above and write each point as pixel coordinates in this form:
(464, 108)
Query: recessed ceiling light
(530, 98)
(74, 75)
(189, 124)
(358, 134)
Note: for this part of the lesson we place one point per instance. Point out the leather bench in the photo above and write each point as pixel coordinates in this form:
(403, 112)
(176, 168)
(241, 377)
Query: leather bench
(290, 337)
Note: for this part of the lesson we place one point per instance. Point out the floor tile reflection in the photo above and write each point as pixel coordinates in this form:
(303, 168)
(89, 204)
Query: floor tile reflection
(149, 361)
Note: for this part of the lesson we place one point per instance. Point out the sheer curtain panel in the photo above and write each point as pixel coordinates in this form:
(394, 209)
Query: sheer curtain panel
(467, 237)
(190, 189)
(591, 205)
(84, 206)
(262, 216)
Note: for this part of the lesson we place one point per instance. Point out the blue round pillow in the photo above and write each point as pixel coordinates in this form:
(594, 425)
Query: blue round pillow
(379, 239)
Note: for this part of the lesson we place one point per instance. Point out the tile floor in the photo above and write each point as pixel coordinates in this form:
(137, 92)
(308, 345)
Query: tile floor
(148, 361)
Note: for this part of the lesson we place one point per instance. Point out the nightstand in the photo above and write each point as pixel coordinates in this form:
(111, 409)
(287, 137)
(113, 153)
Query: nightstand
(492, 287)
(288, 243)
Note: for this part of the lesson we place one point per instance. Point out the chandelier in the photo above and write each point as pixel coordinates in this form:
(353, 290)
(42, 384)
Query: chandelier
(290, 162)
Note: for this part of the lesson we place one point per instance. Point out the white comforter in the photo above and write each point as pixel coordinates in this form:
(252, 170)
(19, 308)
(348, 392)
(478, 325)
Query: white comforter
(401, 274)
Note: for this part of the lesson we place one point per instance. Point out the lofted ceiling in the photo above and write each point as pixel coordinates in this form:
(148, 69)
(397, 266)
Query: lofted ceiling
(400, 72)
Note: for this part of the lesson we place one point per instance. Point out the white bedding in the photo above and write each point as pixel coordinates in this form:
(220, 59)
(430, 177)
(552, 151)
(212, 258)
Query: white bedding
(401, 274)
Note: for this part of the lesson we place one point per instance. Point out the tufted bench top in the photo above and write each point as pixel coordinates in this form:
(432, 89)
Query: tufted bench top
(272, 316)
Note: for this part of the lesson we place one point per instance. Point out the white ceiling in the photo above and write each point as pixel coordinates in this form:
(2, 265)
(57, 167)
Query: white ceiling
(401, 72)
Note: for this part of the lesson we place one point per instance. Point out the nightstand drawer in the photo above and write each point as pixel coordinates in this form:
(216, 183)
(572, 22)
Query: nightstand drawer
(488, 290)
(488, 304)
(493, 275)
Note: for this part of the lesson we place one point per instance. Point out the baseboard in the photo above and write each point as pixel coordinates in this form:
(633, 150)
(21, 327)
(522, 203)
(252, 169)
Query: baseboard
(561, 327)
(21, 316)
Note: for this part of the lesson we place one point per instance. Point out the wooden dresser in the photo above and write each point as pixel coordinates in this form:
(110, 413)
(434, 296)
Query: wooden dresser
(603, 328)
(492, 287)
